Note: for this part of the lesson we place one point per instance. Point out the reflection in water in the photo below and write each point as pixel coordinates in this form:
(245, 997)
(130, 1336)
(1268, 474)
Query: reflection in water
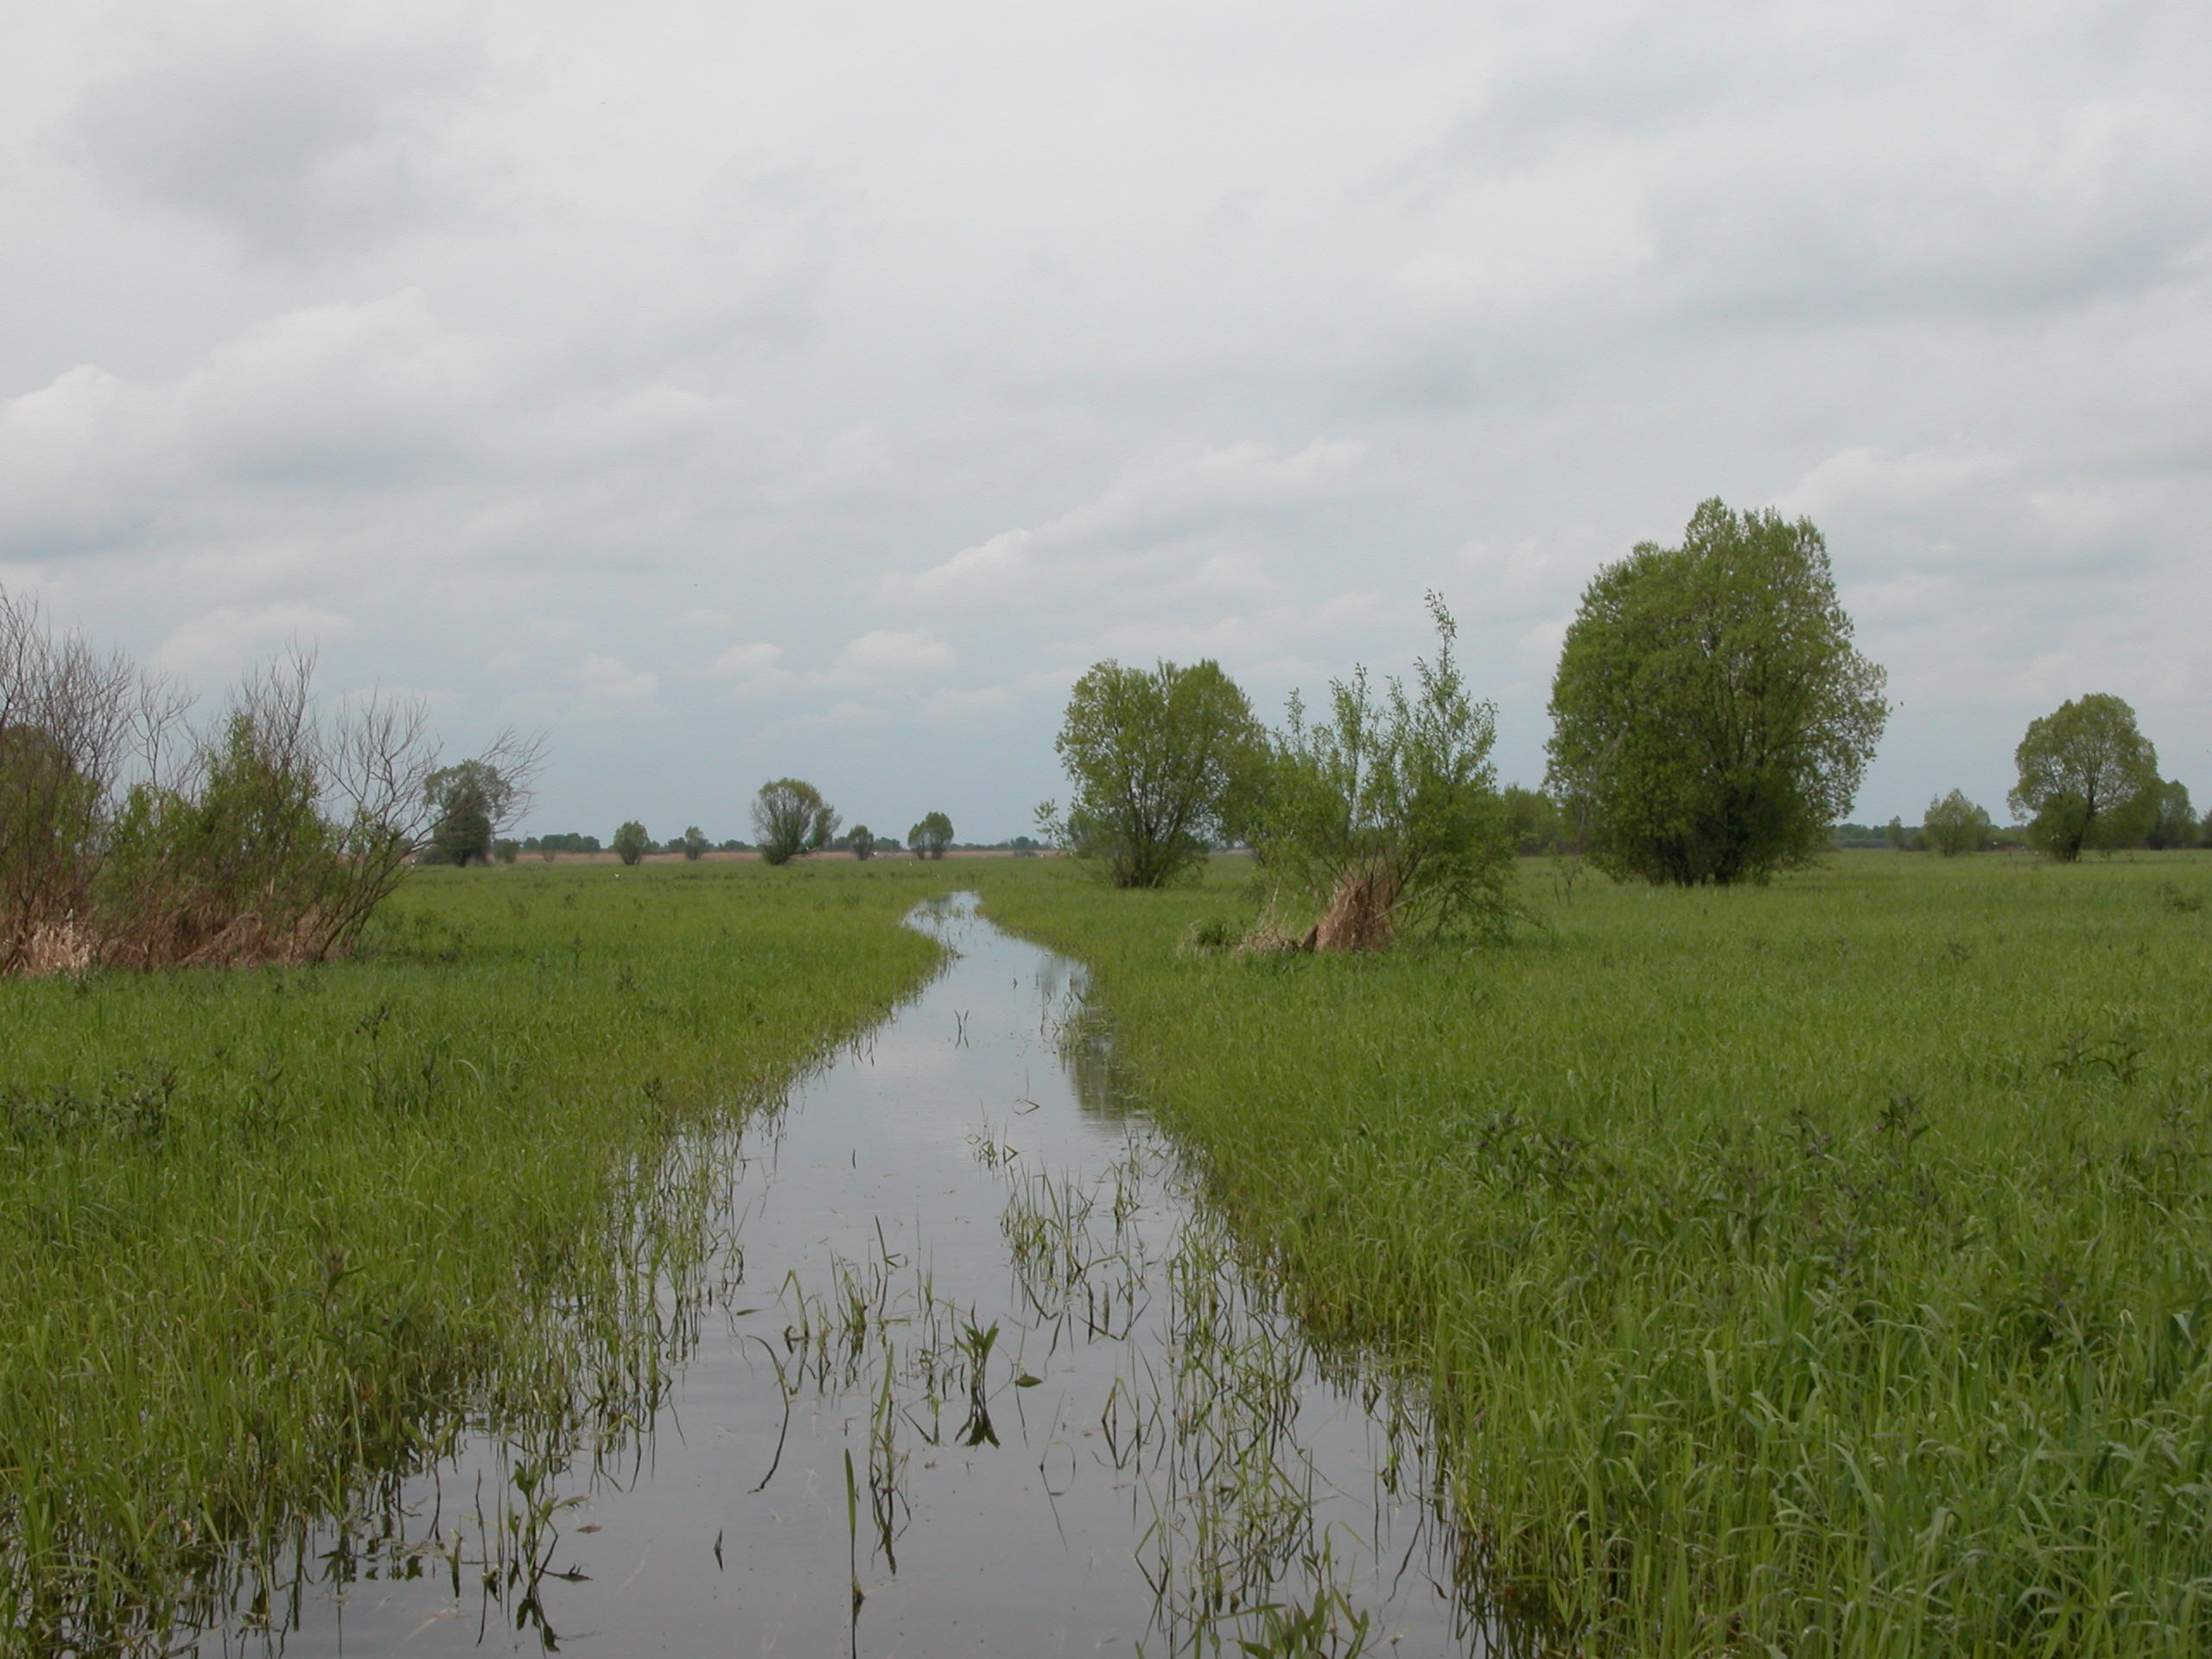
(968, 1369)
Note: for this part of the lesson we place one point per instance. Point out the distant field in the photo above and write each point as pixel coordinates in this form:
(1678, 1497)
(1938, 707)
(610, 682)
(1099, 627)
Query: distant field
(1823, 1268)
(265, 1235)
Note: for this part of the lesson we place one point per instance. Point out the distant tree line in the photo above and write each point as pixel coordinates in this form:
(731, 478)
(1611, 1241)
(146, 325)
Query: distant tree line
(1713, 721)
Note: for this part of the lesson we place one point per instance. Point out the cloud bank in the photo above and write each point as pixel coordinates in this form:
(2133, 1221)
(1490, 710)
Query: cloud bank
(744, 395)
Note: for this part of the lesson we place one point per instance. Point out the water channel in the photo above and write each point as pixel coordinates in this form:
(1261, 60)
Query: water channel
(980, 1375)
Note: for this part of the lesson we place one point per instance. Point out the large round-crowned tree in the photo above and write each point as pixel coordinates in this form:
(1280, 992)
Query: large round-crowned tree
(1161, 761)
(1712, 718)
(2088, 778)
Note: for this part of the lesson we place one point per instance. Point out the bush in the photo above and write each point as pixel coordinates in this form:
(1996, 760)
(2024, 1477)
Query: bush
(1955, 825)
(128, 839)
(790, 817)
(931, 837)
(631, 842)
(1387, 814)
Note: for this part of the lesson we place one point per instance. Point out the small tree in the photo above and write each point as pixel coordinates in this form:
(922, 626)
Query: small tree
(1901, 840)
(863, 842)
(1955, 825)
(788, 816)
(694, 844)
(1711, 716)
(2175, 822)
(472, 803)
(1387, 812)
(631, 842)
(1165, 763)
(932, 836)
(506, 849)
(1531, 819)
(822, 833)
(2088, 777)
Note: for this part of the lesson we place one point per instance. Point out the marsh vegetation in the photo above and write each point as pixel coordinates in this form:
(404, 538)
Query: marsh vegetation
(1820, 1267)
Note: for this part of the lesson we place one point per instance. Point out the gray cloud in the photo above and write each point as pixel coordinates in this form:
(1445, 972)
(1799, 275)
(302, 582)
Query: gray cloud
(820, 390)
(299, 131)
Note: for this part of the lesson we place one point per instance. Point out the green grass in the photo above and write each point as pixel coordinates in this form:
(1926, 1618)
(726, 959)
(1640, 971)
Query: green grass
(1817, 1270)
(268, 1236)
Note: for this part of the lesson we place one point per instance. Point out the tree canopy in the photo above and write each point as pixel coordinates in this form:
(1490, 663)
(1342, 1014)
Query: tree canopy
(472, 801)
(790, 817)
(1162, 763)
(2088, 778)
(1955, 825)
(932, 836)
(2174, 823)
(631, 842)
(1711, 717)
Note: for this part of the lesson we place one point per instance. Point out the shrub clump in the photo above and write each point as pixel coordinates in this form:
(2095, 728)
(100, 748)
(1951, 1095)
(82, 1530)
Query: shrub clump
(129, 838)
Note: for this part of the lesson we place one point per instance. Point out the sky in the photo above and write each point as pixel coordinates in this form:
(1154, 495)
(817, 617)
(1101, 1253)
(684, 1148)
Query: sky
(732, 391)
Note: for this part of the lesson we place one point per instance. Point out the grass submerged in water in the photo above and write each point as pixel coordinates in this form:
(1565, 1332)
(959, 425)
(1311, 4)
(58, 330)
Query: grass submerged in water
(270, 1237)
(1823, 1268)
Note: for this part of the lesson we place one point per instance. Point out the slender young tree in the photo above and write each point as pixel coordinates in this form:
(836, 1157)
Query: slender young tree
(1387, 813)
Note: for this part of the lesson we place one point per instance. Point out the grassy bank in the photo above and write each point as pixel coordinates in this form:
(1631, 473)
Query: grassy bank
(1819, 1269)
(267, 1235)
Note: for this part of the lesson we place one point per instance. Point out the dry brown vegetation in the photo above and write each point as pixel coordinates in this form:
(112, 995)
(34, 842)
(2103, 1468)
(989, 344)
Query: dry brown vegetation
(131, 838)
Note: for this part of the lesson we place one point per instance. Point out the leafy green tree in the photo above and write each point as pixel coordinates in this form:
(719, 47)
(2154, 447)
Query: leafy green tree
(822, 833)
(631, 842)
(1711, 716)
(861, 840)
(1900, 839)
(1955, 825)
(932, 836)
(471, 802)
(1163, 762)
(694, 845)
(506, 849)
(1531, 820)
(788, 816)
(1388, 813)
(2088, 777)
(2174, 823)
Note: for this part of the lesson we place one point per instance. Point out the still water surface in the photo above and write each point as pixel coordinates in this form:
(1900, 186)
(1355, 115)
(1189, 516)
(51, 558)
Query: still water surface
(980, 1375)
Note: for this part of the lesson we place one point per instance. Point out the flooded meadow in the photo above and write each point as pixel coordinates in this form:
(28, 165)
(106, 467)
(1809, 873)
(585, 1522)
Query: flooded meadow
(968, 1367)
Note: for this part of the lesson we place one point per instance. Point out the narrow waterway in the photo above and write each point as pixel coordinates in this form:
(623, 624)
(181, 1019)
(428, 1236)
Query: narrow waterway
(978, 1376)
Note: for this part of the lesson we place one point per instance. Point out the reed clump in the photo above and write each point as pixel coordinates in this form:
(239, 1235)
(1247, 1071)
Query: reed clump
(271, 1239)
(1823, 1268)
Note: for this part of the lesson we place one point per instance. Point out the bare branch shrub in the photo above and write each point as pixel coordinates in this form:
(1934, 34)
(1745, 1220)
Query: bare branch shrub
(272, 837)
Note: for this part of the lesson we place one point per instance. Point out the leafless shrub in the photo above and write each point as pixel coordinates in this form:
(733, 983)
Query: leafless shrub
(128, 839)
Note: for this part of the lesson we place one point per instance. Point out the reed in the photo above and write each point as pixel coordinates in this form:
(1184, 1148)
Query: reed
(271, 1238)
(1823, 1268)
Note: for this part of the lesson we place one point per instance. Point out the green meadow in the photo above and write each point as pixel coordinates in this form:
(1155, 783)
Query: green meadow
(268, 1236)
(1818, 1268)
(1821, 1269)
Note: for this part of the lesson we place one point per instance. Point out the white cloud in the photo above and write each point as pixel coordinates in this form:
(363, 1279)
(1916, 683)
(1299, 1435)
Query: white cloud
(569, 355)
(1182, 516)
(223, 642)
(611, 680)
(890, 653)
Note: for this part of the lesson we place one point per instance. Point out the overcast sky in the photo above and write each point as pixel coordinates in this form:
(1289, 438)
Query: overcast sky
(733, 390)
